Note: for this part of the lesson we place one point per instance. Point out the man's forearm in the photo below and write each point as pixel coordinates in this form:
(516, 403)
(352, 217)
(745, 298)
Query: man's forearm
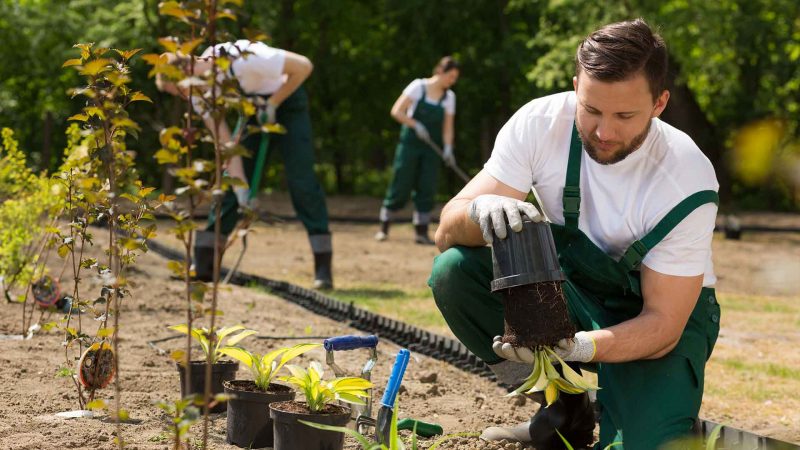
(643, 337)
(455, 227)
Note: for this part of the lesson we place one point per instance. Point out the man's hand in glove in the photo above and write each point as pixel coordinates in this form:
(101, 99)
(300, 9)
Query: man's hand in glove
(580, 348)
(243, 196)
(488, 212)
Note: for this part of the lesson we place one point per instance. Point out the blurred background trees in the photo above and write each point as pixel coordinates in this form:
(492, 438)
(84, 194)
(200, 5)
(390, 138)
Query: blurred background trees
(735, 67)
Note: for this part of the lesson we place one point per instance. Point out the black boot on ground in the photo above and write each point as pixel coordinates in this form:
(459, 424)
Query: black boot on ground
(383, 234)
(323, 275)
(572, 415)
(422, 235)
(203, 262)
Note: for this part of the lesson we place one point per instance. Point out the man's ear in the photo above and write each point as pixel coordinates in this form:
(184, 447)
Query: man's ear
(575, 82)
(661, 103)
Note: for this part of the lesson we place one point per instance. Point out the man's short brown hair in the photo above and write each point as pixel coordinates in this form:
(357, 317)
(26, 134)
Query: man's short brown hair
(620, 51)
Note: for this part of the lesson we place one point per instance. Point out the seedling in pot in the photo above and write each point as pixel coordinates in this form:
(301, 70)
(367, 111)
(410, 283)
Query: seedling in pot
(247, 425)
(265, 368)
(212, 343)
(320, 406)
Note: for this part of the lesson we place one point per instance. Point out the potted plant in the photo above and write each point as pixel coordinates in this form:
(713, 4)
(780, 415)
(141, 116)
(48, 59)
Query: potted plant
(213, 349)
(249, 424)
(319, 407)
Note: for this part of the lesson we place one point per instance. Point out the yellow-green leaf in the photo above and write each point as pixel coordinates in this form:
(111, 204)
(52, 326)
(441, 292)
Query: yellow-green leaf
(139, 97)
(72, 62)
(105, 332)
(96, 404)
(79, 117)
(95, 67)
(551, 393)
(238, 354)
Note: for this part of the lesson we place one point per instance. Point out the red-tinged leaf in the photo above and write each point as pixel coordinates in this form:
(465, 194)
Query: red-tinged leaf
(127, 54)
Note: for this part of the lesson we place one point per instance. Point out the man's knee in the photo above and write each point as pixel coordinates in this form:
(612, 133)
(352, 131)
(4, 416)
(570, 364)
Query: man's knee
(452, 274)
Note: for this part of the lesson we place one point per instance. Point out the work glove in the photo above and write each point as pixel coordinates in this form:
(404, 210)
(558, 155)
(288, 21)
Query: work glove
(487, 211)
(448, 156)
(242, 196)
(421, 131)
(580, 348)
(271, 113)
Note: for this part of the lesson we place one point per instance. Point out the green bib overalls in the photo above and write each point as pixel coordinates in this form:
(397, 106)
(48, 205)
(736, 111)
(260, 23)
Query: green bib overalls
(416, 165)
(644, 403)
(297, 152)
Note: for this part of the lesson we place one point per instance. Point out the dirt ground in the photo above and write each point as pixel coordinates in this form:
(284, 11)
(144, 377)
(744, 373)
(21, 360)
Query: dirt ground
(757, 350)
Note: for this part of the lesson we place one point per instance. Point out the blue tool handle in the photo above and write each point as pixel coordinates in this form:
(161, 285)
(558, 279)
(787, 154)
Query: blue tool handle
(350, 342)
(395, 378)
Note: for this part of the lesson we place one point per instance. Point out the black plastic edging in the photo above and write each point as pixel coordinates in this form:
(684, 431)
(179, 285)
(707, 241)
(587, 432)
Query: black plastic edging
(430, 344)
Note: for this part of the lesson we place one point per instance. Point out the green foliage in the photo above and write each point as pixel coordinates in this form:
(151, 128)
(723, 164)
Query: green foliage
(545, 377)
(26, 202)
(265, 368)
(183, 413)
(319, 392)
(212, 343)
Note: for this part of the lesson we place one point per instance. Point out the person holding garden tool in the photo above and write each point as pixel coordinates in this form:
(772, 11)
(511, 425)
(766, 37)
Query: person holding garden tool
(272, 79)
(633, 203)
(426, 110)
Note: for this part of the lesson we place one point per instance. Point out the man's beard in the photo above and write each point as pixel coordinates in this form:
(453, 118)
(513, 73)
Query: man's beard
(620, 154)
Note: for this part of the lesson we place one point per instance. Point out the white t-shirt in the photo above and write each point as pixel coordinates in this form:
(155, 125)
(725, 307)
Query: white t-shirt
(414, 92)
(621, 202)
(257, 67)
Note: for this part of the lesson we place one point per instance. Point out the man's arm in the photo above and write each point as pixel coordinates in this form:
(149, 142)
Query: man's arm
(447, 129)
(297, 69)
(668, 303)
(455, 226)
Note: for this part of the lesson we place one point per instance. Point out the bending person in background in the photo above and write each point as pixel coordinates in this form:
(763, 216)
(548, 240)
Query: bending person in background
(426, 110)
(633, 203)
(272, 78)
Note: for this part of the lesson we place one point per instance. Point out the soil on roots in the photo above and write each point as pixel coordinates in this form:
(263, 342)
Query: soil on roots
(536, 315)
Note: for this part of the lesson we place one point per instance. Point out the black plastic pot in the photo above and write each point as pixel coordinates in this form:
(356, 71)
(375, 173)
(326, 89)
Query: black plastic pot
(249, 423)
(293, 435)
(220, 371)
(528, 275)
(525, 257)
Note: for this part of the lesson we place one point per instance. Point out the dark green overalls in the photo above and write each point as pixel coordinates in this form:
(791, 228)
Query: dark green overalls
(297, 153)
(416, 165)
(644, 403)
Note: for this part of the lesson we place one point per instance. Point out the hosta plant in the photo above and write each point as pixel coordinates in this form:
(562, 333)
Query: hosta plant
(546, 378)
(265, 368)
(319, 392)
(212, 342)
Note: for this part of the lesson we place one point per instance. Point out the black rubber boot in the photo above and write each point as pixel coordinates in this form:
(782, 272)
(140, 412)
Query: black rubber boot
(573, 416)
(383, 234)
(203, 263)
(323, 276)
(422, 235)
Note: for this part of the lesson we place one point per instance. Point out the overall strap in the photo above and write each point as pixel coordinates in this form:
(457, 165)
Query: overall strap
(422, 84)
(571, 199)
(636, 252)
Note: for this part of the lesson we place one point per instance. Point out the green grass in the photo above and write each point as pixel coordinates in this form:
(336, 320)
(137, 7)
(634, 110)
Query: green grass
(770, 369)
(759, 304)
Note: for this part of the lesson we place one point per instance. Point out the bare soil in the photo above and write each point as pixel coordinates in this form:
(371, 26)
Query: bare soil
(752, 378)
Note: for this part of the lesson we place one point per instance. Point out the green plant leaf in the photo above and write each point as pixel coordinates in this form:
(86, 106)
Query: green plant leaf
(233, 340)
(239, 354)
(365, 443)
